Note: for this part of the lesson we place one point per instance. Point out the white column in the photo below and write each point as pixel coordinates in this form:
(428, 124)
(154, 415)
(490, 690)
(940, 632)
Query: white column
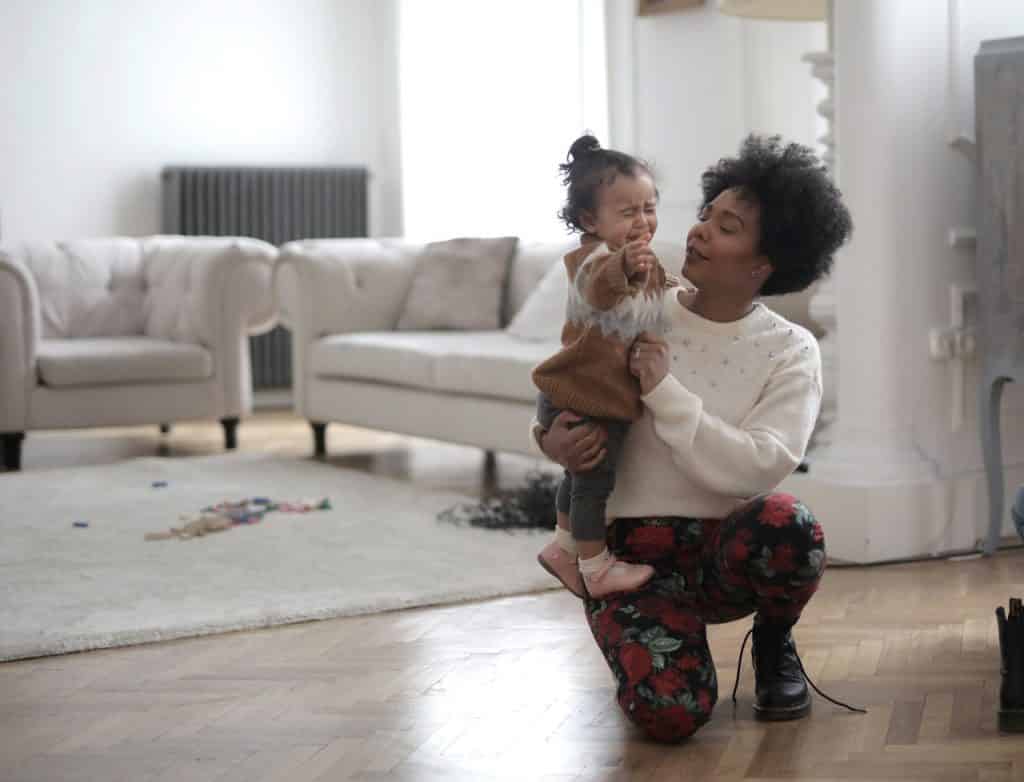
(882, 138)
(896, 481)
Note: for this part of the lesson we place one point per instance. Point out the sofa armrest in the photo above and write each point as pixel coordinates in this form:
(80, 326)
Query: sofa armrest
(335, 286)
(213, 291)
(19, 337)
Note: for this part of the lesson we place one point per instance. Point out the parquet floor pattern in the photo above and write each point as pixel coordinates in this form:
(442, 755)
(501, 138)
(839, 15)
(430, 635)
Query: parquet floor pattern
(510, 689)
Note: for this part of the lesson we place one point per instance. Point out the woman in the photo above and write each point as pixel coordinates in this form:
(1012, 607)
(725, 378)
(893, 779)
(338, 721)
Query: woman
(731, 393)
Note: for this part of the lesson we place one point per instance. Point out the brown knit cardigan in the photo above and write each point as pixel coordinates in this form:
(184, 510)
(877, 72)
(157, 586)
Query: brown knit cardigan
(605, 313)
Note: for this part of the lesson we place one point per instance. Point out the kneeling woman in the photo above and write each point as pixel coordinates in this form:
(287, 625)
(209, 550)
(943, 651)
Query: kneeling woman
(731, 392)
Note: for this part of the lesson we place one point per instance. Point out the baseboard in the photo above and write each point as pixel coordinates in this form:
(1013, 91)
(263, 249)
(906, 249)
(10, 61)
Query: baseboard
(272, 399)
(870, 523)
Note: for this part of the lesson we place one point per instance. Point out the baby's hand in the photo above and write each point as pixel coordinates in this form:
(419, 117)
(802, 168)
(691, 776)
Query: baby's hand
(639, 259)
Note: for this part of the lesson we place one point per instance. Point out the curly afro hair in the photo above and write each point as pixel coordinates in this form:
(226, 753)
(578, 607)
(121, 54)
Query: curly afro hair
(803, 218)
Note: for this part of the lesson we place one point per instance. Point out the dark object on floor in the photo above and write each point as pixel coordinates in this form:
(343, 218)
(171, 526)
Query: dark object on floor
(1017, 512)
(319, 438)
(780, 690)
(230, 432)
(528, 507)
(1011, 648)
(12, 450)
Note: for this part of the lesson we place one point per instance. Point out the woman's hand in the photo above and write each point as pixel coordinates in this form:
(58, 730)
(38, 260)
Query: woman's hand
(577, 448)
(648, 361)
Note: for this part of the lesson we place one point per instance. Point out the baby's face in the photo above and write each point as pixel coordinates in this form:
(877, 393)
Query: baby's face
(627, 210)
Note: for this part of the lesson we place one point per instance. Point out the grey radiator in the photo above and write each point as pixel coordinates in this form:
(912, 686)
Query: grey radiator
(274, 204)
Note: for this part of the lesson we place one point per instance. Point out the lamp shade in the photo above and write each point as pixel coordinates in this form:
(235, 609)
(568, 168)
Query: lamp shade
(788, 10)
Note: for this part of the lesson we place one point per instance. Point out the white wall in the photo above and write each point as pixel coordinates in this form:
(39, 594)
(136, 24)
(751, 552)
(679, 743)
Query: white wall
(686, 87)
(95, 97)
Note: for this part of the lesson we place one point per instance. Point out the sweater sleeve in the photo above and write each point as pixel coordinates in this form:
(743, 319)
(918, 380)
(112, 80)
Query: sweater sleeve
(604, 282)
(747, 459)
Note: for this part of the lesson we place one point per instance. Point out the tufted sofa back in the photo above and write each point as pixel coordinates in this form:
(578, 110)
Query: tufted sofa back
(125, 286)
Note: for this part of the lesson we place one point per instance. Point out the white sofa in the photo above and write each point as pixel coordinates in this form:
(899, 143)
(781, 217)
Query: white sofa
(342, 299)
(122, 331)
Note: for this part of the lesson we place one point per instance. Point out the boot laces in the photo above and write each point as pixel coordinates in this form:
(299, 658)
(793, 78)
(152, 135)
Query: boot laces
(739, 667)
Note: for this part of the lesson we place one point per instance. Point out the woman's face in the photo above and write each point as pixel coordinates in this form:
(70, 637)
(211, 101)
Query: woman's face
(627, 210)
(721, 249)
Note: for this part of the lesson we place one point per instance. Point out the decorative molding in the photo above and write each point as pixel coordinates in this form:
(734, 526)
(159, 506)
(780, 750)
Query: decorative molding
(822, 306)
(653, 7)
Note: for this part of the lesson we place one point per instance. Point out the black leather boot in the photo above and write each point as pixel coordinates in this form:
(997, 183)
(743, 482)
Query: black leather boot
(1011, 647)
(780, 688)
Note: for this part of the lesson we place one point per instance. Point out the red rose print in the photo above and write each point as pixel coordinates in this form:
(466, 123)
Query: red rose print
(688, 662)
(738, 551)
(607, 630)
(782, 559)
(650, 542)
(704, 701)
(636, 661)
(671, 724)
(668, 682)
(778, 510)
(680, 621)
(653, 606)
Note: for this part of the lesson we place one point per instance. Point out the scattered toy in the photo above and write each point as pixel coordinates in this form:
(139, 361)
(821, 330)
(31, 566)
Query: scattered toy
(224, 515)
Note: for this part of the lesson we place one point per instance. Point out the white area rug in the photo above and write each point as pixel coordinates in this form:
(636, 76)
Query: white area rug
(65, 589)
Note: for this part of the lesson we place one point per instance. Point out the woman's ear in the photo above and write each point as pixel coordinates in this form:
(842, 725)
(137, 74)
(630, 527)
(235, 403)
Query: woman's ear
(762, 269)
(588, 222)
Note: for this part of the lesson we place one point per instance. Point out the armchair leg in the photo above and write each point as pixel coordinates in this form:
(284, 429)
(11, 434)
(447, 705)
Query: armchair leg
(319, 438)
(230, 432)
(490, 465)
(12, 450)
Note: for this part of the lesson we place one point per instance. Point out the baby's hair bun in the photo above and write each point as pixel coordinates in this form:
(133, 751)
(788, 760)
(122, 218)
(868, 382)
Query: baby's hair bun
(584, 146)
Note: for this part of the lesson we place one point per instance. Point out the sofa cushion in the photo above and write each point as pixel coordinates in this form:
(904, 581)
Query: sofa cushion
(403, 358)
(543, 314)
(459, 284)
(118, 360)
(487, 363)
(87, 288)
(532, 262)
(494, 364)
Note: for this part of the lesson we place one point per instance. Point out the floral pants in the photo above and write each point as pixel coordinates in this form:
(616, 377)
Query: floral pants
(766, 556)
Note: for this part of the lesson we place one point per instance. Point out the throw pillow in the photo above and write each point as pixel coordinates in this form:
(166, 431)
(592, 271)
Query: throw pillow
(458, 284)
(542, 315)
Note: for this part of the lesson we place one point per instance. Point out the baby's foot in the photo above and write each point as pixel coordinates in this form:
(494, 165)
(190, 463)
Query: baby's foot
(615, 576)
(563, 567)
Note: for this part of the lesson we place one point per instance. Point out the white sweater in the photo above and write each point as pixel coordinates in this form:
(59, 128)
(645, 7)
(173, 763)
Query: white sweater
(730, 420)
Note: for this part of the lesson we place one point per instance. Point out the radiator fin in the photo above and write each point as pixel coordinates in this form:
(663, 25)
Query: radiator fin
(275, 204)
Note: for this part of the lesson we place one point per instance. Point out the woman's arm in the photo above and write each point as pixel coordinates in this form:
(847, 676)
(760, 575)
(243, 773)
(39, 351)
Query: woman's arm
(746, 459)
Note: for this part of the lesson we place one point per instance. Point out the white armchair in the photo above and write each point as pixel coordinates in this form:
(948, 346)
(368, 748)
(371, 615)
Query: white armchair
(122, 331)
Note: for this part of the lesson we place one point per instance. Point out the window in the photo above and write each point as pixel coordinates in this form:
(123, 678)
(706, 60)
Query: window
(492, 95)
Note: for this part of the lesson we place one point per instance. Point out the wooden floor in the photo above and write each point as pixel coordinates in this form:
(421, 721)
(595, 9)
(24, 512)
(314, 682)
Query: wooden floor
(505, 689)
